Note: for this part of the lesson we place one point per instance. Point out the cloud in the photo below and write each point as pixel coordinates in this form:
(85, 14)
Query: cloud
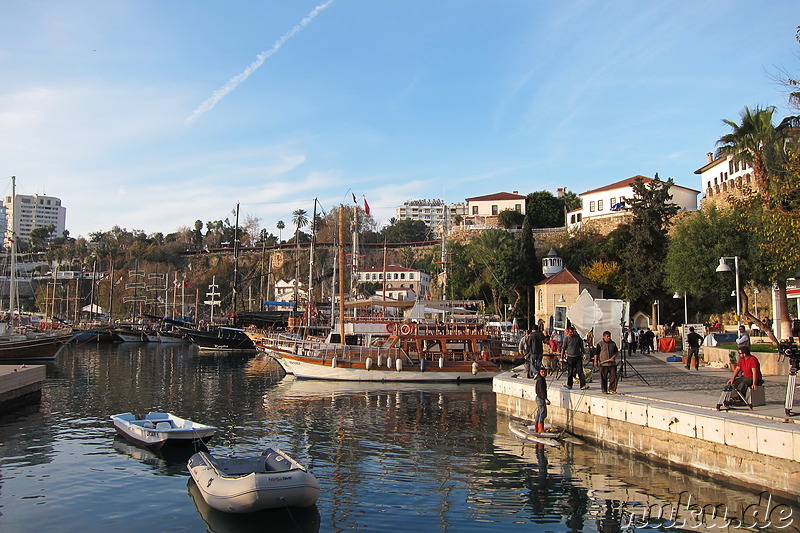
(234, 82)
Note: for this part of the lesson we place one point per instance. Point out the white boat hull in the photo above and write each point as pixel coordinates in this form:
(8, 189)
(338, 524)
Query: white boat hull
(157, 429)
(253, 484)
(432, 373)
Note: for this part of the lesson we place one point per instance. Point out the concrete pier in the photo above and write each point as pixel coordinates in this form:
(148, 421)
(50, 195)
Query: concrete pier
(20, 384)
(674, 421)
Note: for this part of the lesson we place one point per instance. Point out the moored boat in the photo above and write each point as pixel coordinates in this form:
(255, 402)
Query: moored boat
(32, 347)
(271, 480)
(220, 338)
(156, 429)
(385, 350)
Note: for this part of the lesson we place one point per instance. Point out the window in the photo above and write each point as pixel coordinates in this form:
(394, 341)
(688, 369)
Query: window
(402, 276)
(613, 202)
(494, 210)
(599, 205)
(580, 217)
(572, 219)
(591, 206)
(474, 209)
(518, 208)
(410, 275)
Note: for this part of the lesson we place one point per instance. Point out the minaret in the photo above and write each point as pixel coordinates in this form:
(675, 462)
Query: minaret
(552, 264)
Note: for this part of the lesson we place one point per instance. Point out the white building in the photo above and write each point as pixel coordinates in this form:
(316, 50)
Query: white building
(722, 175)
(606, 207)
(29, 212)
(432, 212)
(398, 282)
(284, 291)
(484, 210)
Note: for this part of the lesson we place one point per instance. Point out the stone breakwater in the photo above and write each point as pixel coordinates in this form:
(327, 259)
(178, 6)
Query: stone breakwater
(674, 421)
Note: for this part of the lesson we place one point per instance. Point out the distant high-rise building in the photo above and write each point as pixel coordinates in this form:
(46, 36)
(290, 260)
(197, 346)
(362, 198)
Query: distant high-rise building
(29, 212)
(431, 212)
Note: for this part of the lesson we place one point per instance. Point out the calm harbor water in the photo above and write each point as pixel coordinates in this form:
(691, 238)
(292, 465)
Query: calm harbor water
(403, 458)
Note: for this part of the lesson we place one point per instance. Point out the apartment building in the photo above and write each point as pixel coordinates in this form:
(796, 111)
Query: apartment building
(29, 212)
(432, 212)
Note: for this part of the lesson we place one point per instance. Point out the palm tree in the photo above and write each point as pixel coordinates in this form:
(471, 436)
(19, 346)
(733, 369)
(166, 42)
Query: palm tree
(755, 142)
(299, 219)
(280, 225)
(759, 143)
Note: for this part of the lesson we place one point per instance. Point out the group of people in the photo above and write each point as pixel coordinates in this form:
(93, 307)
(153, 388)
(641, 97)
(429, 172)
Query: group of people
(641, 340)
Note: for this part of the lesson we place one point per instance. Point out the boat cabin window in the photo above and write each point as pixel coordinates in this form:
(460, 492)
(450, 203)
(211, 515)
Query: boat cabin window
(349, 340)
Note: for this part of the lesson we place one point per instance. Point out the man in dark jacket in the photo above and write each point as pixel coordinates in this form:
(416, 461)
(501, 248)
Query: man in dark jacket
(606, 358)
(573, 349)
(693, 341)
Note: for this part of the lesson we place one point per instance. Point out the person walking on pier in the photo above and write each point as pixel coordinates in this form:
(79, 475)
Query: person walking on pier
(606, 358)
(693, 341)
(537, 346)
(540, 387)
(573, 349)
(526, 351)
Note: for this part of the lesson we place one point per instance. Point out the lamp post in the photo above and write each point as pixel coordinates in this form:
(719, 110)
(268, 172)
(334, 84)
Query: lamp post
(677, 296)
(723, 267)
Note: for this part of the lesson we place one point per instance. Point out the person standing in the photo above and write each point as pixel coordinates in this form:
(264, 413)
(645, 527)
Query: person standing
(573, 349)
(647, 345)
(537, 347)
(693, 341)
(606, 358)
(632, 341)
(540, 387)
(525, 350)
(743, 340)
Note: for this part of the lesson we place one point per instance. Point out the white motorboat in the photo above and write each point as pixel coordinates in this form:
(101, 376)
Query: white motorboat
(156, 429)
(271, 480)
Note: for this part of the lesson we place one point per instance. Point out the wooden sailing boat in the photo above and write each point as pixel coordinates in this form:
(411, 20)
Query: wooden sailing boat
(16, 344)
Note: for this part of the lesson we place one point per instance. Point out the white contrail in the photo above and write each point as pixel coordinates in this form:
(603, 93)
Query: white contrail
(234, 82)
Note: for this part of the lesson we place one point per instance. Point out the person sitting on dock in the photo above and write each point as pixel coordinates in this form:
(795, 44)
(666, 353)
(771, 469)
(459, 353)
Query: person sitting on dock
(540, 387)
(573, 349)
(750, 368)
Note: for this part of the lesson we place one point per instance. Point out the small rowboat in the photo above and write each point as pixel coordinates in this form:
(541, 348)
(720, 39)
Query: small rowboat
(271, 480)
(154, 429)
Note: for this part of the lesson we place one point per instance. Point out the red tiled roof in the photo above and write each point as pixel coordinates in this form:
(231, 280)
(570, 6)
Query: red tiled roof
(390, 268)
(567, 277)
(628, 183)
(497, 196)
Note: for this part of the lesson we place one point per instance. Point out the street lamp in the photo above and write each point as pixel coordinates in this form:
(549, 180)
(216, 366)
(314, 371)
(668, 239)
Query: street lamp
(723, 267)
(677, 296)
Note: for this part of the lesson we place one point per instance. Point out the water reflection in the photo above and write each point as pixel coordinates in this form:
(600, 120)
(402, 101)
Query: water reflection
(169, 460)
(300, 520)
(398, 457)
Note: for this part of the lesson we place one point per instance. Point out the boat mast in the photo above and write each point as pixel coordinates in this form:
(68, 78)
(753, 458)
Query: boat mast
(12, 287)
(235, 258)
(311, 265)
(341, 274)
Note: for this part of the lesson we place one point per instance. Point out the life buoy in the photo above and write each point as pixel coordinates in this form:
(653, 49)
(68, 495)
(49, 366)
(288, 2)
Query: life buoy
(405, 329)
(390, 328)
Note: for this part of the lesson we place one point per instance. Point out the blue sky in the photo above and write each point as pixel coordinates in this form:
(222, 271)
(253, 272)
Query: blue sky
(101, 102)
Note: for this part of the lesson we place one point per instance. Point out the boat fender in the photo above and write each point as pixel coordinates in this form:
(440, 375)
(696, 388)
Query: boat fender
(380, 359)
(398, 364)
(422, 364)
(390, 328)
(333, 363)
(368, 363)
(474, 368)
(405, 329)
(441, 362)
